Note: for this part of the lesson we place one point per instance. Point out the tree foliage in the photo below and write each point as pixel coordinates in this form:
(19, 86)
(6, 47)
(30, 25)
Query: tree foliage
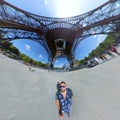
(109, 41)
(8, 47)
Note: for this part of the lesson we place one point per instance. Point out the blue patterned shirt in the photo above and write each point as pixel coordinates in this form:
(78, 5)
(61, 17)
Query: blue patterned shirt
(65, 104)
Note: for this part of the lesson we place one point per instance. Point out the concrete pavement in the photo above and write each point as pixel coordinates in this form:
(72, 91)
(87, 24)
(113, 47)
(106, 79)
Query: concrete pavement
(30, 95)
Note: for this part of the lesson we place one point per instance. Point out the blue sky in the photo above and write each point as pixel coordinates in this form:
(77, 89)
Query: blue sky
(57, 8)
(32, 49)
(85, 47)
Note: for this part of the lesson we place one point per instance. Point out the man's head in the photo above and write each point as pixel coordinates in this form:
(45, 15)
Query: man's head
(63, 86)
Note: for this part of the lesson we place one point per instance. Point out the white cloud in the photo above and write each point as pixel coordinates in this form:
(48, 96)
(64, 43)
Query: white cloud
(95, 36)
(40, 56)
(27, 47)
(45, 2)
(81, 42)
(61, 65)
(99, 40)
(56, 61)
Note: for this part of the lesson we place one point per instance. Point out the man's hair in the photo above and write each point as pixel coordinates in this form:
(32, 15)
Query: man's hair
(63, 82)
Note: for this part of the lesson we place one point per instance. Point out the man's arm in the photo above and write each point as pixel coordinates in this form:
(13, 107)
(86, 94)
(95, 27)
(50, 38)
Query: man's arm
(58, 104)
(57, 101)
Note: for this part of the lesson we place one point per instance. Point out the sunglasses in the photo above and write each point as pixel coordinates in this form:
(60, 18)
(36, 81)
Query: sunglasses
(62, 86)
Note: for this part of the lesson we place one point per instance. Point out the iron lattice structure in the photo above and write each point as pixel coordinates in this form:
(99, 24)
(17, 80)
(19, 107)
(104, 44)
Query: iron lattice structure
(59, 36)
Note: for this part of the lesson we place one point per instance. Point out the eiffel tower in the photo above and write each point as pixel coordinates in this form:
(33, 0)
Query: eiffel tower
(59, 36)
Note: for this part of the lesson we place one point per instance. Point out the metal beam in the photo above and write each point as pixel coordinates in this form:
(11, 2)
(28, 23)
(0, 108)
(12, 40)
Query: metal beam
(16, 23)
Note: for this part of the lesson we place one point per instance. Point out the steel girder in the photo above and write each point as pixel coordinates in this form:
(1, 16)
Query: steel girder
(16, 24)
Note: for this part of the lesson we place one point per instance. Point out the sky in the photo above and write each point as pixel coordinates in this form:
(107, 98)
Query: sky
(32, 49)
(57, 8)
(85, 47)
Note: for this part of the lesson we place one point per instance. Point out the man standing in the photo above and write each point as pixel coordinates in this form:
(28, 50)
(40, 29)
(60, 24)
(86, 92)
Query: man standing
(63, 99)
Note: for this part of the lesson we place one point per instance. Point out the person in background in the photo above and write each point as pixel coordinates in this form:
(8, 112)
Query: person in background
(114, 50)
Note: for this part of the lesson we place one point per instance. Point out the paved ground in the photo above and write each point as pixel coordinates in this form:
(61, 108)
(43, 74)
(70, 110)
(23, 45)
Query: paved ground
(29, 95)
